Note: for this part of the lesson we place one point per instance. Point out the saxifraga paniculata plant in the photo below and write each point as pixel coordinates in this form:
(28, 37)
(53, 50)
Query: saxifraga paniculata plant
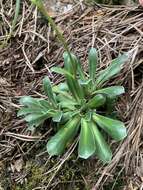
(77, 107)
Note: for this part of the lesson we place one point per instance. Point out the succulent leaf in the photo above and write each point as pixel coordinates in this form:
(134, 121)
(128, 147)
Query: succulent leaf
(111, 91)
(86, 141)
(111, 70)
(61, 71)
(62, 87)
(102, 149)
(97, 101)
(70, 63)
(57, 144)
(72, 82)
(57, 117)
(92, 57)
(29, 101)
(114, 128)
(25, 111)
(48, 90)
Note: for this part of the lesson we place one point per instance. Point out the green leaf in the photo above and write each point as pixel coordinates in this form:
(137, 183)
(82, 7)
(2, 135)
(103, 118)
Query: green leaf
(25, 111)
(29, 101)
(93, 58)
(61, 87)
(66, 101)
(86, 83)
(86, 141)
(75, 88)
(17, 10)
(111, 91)
(72, 82)
(80, 71)
(112, 69)
(114, 128)
(61, 71)
(66, 105)
(62, 93)
(45, 104)
(35, 103)
(36, 123)
(86, 86)
(35, 117)
(73, 65)
(102, 149)
(66, 97)
(57, 144)
(72, 85)
(66, 116)
(57, 117)
(48, 90)
(96, 101)
(70, 63)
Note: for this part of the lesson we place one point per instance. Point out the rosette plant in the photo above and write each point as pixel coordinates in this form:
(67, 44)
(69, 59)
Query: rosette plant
(79, 107)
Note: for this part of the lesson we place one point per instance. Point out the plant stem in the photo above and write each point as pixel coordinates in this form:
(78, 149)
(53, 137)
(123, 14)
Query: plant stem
(39, 4)
(17, 9)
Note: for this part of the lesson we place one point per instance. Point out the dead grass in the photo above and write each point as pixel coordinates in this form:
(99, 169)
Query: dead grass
(28, 57)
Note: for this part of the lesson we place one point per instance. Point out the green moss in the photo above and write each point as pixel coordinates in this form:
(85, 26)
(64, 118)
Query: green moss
(70, 176)
(34, 177)
(5, 181)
